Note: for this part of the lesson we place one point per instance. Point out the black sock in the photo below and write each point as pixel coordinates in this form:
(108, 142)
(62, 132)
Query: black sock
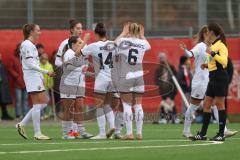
(222, 121)
(206, 121)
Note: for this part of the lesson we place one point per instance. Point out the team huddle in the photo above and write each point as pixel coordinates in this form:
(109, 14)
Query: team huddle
(118, 77)
(119, 82)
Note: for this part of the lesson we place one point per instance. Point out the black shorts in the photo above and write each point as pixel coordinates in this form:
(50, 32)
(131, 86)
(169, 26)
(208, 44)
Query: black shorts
(216, 89)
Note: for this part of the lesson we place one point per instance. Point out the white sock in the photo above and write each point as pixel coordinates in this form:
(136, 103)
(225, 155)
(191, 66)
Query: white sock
(36, 112)
(119, 122)
(188, 118)
(215, 113)
(139, 115)
(127, 116)
(26, 118)
(75, 127)
(81, 128)
(67, 126)
(101, 121)
(109, 115)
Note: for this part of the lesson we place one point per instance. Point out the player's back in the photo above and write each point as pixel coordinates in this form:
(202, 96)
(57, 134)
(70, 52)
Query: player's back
(132, 51)
(102, 53)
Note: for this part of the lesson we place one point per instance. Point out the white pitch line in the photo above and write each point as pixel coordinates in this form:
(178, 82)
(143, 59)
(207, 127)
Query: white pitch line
(96, 142)
(111, 148)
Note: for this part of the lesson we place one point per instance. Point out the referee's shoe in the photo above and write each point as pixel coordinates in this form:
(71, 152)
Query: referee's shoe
(218, 137)
(198, 137)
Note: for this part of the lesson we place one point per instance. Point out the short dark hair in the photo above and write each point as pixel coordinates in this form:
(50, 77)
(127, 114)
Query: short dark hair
(100, 30)
(183, 59)
(72, 40)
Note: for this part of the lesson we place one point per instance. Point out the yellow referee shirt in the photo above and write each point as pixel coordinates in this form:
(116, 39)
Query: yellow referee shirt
(221, 55)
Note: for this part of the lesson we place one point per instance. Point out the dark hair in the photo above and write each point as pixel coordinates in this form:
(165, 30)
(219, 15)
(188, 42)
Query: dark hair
(218, 31)
(39, 45)
(72, 23)
(100, 30)
(71, 40)
(200, 34)
(27, 28)
(183, 59)
(17, 50)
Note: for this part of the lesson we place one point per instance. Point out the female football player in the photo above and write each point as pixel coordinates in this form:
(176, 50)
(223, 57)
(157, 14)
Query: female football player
(102, 53)
(33, 78)
(132, 46)
(75, 28)
(72, 85)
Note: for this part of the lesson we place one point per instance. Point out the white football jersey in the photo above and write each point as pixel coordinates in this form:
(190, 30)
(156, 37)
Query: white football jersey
(200, 55)
(58, 60)
(132, 51)
(30, 59)
(73, 75)
(102, 53)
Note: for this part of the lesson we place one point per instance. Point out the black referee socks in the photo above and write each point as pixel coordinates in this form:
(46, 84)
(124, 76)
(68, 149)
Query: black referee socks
(222, 121)
(206, 121)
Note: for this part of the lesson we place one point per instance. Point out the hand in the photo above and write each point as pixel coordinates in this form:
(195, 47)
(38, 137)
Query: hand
(86, 37)
(84, 69)
(51, 74)
(208, 50)
(183, 46)
(203, 66)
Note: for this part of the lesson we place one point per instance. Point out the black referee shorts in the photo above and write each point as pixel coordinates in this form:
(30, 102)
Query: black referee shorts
(216, 89)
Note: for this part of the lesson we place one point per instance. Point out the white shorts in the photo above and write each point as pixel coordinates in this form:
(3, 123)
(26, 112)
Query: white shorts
(135, 85)
(198, 91)
(103, 84)
(34, 82)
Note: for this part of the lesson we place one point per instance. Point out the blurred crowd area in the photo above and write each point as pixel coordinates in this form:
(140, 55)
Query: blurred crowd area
(161, 17)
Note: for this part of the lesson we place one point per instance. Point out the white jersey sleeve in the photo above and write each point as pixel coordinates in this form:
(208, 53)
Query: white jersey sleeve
(89, 49)
(58, 60)
(147, 45)
(198, 49)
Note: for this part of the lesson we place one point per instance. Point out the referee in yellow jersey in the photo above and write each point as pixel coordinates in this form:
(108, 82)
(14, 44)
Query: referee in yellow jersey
(218, 81)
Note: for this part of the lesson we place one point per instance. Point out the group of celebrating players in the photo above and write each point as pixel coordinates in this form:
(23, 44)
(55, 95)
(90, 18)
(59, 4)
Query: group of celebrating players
(118, 73)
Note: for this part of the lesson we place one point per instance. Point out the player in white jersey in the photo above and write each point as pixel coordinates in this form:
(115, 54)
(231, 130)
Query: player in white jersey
(72, 88)
(33, 78)
(199, 81)
(132, 46)
(75, 28)
(102, 52)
